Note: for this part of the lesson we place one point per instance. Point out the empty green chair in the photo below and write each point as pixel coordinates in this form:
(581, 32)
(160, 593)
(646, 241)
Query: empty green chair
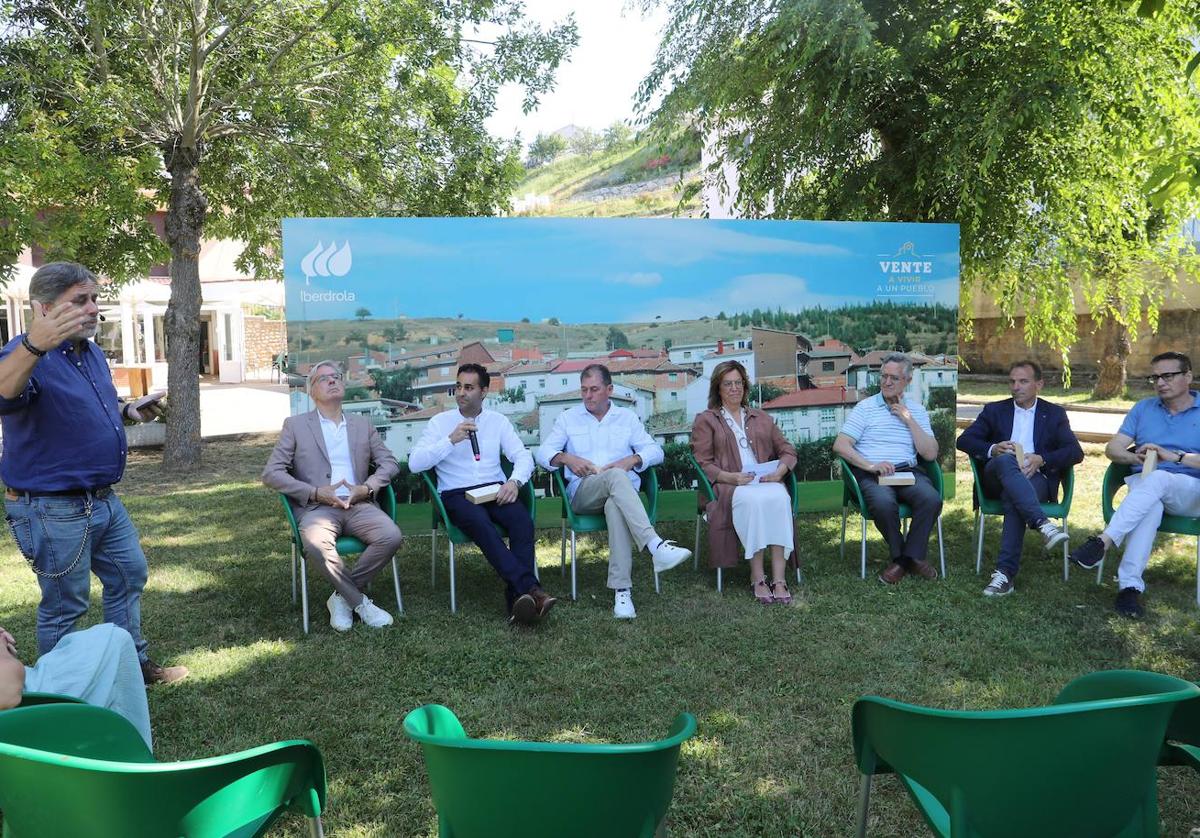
(852, 498)
(71, 770)
(441, 520)
(985, 506)
(1083, 766)
(578, 522)
(705, 494)
(1114, 479)
(347, 545)
(481, 787)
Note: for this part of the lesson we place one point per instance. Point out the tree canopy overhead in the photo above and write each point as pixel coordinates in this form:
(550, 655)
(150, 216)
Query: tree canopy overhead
(1037, 126)
(234, 115)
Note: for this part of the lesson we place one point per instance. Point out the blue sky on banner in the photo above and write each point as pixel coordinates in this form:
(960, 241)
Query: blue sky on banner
(607, 270)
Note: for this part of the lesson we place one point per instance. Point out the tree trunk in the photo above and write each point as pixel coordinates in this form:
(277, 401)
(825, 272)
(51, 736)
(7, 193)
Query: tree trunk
(184, 228)
(1113, 362)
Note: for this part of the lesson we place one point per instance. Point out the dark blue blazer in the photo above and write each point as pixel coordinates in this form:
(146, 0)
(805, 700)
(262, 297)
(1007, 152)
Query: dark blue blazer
(1053, 438)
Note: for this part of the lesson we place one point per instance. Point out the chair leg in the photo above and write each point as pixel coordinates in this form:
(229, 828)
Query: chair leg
(843, 533)
(453, 602)
(1066, 545)
(293, 573)
(979, 519)
(864, 547)
(315, 830)
(396, 583)
(657, 587)
(719, 588)
(562, 560)
(941, 547)
(574, 593)
(304, 594)
(1198, 570)
(696, 552)
(864, 801)
(433, 558)
(1100, 571)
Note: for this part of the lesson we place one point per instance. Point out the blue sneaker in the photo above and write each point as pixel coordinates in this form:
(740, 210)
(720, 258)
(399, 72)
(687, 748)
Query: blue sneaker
(1089, 554)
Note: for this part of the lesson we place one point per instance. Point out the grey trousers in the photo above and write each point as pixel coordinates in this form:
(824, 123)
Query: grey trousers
(319, 531)
(611, 492)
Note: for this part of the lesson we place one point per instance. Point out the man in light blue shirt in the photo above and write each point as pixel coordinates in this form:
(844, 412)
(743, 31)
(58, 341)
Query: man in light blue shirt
(1169, 425)
(883, 435)
(602, 448)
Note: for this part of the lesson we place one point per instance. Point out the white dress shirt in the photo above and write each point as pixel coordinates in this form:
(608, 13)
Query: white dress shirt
(455, 463)
(1022, 429)
(337, 446)
(603, 441)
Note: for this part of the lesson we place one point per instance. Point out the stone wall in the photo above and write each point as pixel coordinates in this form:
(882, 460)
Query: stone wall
(265, 339)
(994, 348)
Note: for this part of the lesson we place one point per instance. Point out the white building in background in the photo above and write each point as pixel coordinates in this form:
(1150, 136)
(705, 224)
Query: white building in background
(697, 391)
(241, 319)
(693, 353)
(402, 433)
(806, 415)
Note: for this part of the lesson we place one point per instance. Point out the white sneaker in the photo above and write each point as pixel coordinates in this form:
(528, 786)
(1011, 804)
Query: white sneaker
(623, 606)
(372, 614)
(668, 554)
(1053, 534)
(341, 618)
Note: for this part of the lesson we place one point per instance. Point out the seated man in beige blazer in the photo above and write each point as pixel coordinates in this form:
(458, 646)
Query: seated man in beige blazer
(323, 463)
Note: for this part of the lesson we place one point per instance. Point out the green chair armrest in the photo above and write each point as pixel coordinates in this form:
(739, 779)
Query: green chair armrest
(706, 493)
(291, 519)
(851, 492)
(935, 475)
(1114, 479)
(435, 502)
(650, 490)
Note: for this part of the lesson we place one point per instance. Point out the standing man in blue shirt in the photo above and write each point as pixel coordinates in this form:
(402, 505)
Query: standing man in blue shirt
(884, 434)
(64, 448)
(1168, 424)
(1049, 447)
(602, 448)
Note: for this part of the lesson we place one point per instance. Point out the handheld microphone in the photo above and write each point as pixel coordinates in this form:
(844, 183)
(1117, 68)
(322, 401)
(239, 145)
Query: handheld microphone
(474, 444)
(103, 319)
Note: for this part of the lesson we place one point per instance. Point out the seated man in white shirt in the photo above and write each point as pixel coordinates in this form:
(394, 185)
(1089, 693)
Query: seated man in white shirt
(602, 447)
(462, 464)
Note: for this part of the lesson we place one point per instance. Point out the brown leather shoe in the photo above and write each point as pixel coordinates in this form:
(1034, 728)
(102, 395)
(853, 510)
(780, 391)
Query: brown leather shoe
(923, 569)
(152, 673)
(524, 610)
(892, 574)
(543, 601)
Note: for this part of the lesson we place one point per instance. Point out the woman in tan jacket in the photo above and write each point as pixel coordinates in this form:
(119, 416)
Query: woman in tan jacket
(730, 441)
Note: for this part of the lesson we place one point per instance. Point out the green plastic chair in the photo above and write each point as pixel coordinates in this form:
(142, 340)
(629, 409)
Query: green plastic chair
(481, 787)
(705, 494)
(985, 506)
(1083, 766)
(70, 770)
(34, 699)
(441, 520)
(347, 545)
(852, 498)
(1183, 736)
(1114, 479)
(577, 522)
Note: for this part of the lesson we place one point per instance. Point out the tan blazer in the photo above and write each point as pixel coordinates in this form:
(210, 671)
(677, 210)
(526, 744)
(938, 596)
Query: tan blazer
(715, 448)
(300, 464)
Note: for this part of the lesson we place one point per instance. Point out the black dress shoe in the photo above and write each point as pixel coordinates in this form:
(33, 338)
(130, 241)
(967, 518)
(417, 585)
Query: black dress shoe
(524, 611)
(1129, 604)
(544, 602)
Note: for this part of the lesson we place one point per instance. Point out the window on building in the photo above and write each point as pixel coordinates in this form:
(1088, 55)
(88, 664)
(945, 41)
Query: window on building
(228, 338)
(674, 395)
(826, 415)
(541, 384)
(687, 354)
(564, 381)
(805, 435)
(673, 376)
(827, 366)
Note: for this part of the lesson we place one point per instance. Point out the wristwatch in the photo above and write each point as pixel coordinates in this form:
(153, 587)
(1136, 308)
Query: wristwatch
(1182, 454)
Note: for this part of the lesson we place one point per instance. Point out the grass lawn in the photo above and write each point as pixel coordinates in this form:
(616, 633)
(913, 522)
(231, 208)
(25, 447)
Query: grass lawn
(772, 687)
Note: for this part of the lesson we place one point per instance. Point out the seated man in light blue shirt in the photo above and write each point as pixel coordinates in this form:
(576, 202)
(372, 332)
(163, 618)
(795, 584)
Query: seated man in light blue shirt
(1169, 425)
(601, 448)
(884, 434)
(463, 463)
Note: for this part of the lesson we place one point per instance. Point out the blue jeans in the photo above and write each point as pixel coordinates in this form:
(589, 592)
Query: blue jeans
(53, 531)
(1022, 498)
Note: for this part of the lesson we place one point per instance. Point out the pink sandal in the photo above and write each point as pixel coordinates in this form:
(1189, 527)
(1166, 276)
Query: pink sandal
(762, 600)
(786, 599)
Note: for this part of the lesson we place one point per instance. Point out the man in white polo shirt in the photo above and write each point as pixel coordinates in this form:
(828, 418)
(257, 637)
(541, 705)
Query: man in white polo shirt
(602, 448)
(884, 434)
(461, 464)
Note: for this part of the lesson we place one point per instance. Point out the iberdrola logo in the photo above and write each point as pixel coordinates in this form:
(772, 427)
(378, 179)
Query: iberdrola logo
(327, 261)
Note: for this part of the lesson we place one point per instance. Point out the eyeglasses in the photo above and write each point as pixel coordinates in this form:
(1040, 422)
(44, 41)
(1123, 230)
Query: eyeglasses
(1153, 378)
(332, 376)
(887, 377)
(735, 384)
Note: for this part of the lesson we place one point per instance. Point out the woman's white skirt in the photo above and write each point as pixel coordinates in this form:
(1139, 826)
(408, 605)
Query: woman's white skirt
(762, 516)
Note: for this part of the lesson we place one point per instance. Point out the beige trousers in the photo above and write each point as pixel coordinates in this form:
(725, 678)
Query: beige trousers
(611, 492)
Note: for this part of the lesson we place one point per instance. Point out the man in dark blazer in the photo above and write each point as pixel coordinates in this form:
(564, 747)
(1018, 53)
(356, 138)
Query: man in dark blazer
(330, 465)
(1050, 447)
